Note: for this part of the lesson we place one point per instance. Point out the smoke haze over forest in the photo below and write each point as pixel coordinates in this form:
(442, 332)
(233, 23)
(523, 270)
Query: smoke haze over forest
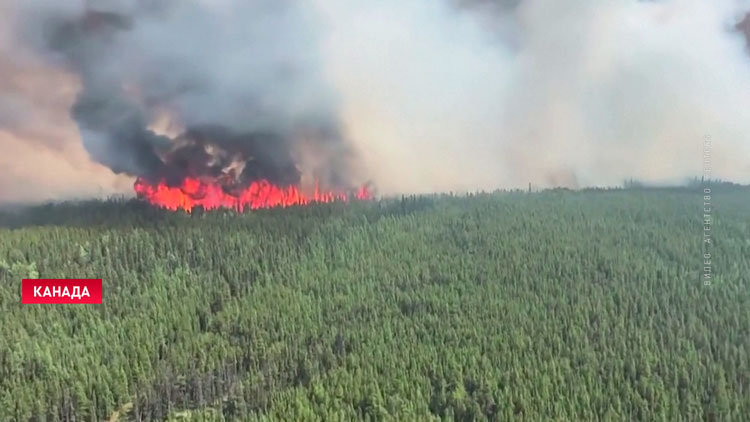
(415, 96)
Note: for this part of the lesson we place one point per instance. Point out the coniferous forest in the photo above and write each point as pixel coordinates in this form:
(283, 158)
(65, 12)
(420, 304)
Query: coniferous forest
(511, 306)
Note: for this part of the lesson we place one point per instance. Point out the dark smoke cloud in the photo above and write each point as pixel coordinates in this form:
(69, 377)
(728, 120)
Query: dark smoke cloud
(240, 79)
(262, 156)
(113, 127)
(433, 95)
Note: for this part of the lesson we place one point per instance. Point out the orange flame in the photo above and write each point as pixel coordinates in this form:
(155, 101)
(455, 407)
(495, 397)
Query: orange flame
(210, 195)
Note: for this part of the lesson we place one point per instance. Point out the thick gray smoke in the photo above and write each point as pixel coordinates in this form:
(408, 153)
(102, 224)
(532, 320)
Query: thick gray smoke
(432, 95)
(235, 86)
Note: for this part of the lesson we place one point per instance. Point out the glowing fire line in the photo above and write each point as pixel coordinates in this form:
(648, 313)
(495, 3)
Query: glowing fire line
(260, 194)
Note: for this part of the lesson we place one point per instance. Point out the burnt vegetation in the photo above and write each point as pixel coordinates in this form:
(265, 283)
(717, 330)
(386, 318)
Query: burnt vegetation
(557, 305)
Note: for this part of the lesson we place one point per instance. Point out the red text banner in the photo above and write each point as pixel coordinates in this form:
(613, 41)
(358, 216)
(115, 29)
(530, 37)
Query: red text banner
(57, 291)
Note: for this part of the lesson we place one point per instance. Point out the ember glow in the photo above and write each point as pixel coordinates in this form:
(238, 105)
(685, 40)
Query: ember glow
(194, 192)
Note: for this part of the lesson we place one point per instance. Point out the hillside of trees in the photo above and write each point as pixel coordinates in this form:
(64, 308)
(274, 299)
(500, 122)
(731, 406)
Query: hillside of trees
(510, 306)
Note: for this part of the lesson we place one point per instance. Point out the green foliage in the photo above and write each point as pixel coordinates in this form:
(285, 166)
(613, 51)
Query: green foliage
(558, 306)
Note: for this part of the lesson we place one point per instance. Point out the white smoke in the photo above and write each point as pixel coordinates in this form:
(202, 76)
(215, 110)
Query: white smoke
(435, 95)
(577, 93)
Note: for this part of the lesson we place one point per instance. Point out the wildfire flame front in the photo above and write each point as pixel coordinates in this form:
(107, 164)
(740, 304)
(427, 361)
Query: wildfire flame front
(194, 192)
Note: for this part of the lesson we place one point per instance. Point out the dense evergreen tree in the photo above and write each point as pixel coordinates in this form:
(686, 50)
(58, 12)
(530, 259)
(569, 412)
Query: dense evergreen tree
(557, 305)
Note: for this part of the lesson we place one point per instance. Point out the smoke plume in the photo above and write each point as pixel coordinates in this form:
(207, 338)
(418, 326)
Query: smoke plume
(171, 90)
(414, 95)
(484, 94)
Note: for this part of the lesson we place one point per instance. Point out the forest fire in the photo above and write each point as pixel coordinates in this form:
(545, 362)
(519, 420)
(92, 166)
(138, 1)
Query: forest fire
(194, 192)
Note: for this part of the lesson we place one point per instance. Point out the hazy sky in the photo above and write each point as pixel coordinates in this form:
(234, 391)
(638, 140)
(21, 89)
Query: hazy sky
(433, 95)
